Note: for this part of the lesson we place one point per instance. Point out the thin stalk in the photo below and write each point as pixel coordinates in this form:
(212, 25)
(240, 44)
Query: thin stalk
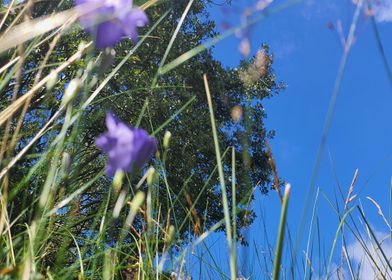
(327, 126)
(282, 227)
(387, 261)
(172, 39)
(343, 220)
(311, 230)
(221, 180)
(234, 207)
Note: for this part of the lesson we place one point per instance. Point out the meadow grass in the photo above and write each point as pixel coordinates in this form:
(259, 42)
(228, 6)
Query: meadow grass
(154, 252)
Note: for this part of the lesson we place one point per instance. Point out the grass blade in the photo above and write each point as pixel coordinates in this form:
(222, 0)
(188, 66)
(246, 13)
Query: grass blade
(282, 227)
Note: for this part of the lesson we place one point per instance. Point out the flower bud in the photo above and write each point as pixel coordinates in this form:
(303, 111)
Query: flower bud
(81, 47)
(51, 81)
(236, 113)
(93, 81)
(70, 92)
(137, 201)
(119, 204)
(90, 66)
(166, 139)
(66, 164)
(170, 234)
(150, 175)
(118, 180)
(109, 265)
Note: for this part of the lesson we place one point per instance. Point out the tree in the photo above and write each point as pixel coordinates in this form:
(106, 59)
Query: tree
(185, 170)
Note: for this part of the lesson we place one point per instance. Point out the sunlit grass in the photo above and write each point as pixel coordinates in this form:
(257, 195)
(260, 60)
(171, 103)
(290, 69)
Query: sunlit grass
(147, 243)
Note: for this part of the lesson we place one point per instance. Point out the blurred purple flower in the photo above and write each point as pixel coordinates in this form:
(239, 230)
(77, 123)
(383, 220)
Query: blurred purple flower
(126, 146)
(111, 20)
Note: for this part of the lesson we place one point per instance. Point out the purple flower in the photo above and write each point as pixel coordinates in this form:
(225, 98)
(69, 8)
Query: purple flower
(111, 20)
(126, 146)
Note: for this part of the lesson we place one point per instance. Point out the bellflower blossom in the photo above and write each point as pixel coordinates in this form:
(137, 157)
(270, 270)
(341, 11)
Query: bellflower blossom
(127, 147)
(111, 20)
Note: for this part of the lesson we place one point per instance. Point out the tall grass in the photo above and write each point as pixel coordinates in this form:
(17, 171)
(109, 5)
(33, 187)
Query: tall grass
(155, 251)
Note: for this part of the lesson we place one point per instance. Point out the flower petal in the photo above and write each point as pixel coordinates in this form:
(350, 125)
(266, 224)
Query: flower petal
(111, 20)
(105, 142)
(108, 34)
(111, 122)
(144, 146)
(127, 147)
(136, 18)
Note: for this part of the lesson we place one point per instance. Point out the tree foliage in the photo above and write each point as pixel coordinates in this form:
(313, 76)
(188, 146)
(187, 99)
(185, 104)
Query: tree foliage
(185, 171)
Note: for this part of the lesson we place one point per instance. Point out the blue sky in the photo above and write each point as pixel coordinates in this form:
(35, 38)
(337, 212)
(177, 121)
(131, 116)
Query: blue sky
(307, 55)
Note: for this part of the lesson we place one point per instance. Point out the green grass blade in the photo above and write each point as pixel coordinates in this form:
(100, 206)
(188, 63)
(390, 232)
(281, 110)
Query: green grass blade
(282, 227)
(222, 181)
